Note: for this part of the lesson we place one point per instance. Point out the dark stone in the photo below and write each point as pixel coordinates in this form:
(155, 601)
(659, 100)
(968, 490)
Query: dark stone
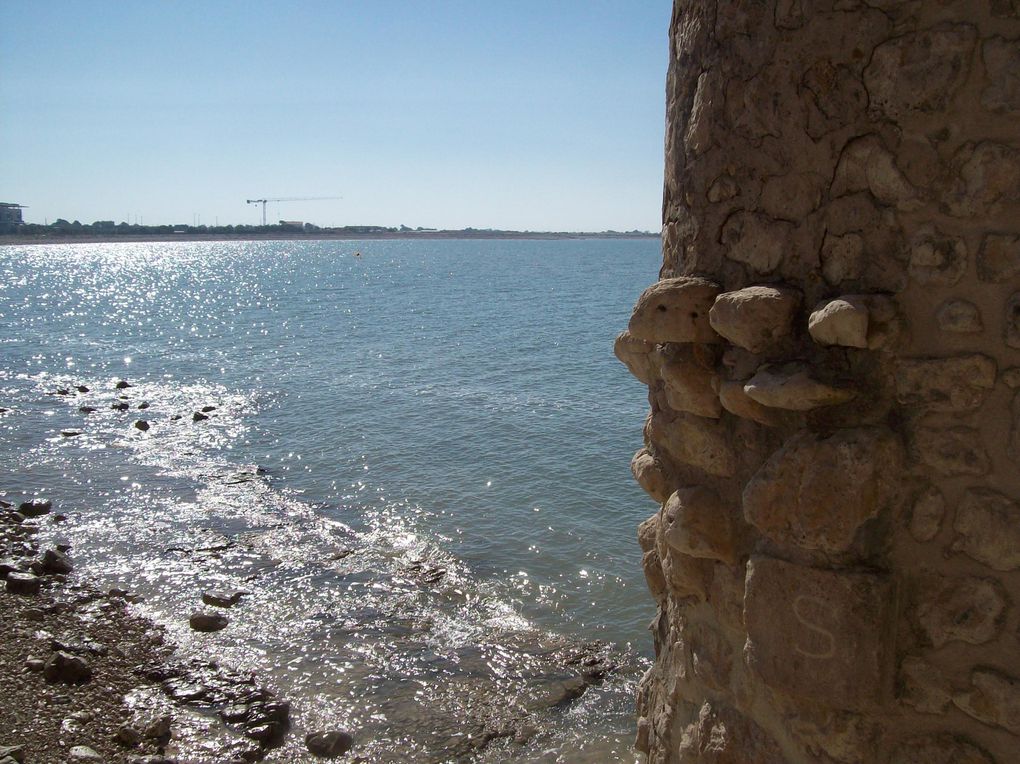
(200, 621)
(143, 405)
(121, 406)
(329, 745)
(35, 508)
(123, 385)
(67, 669)
(70, 433)
(218, 598)
(23, 583)
(8, 566)
(54, 561)
(207, 409)
(175, 417)
(198, 416)
(86, 409)
(142, 425)
(82, 389)
(16, 752)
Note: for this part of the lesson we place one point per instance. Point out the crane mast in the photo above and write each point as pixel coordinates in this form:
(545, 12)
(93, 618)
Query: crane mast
(288, 199)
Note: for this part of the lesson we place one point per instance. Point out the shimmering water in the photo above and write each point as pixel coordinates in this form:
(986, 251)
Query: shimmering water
(417, 465)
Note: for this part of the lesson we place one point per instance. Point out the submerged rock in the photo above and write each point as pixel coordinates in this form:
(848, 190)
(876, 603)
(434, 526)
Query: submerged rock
(329, 745)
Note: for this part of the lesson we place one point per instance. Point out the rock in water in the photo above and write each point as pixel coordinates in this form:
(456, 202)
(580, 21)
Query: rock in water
(329, 744)
(198, 416)
(123, 385)
(67, 669)
(142, 425)
(208, 621)
(55, 561)
(218, 598)
(35, 508)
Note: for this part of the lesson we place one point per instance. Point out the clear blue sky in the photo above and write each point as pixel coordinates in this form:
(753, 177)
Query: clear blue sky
(541, 115)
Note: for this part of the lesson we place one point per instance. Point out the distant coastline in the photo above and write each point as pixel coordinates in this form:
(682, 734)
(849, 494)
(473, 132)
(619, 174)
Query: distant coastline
(320, 235)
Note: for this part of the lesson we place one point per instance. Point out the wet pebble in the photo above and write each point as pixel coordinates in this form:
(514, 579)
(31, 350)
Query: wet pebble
(123, 385)
(84, 753)
(67, 669)
(203, 621)
(86, 409)
(35, 664)
(129, 735)
(329, 744)
(70, 433)
(198, 416)
(142, 425)
(175, 417)
(218, 598)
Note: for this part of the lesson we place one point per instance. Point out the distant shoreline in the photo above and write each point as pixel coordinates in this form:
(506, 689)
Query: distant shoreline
(15, 240)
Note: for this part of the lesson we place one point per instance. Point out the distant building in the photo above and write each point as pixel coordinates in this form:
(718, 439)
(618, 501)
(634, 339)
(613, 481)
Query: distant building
(11, 213)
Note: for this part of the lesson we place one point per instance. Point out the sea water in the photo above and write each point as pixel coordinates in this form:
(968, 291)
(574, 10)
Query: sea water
(417, 465)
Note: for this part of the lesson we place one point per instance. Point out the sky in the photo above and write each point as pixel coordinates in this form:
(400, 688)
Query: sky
(528, 115)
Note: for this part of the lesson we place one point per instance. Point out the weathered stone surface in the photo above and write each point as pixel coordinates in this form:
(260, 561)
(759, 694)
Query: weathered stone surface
(920, 71)
(697, 523)
(685, 576)
(841, 736)
(994, 698)
(711, 655)
(637, 355)
(689, 378)
(937, 259)
(988, 528)
(756, 240)
(707, 95)
(648, 473)
(723, 189)
(842, 258)
(960, 383)
(675, 310)
(792, 197)
(755, 318)
(737, 402)
(791, 387)
(924, 687)
(1002, 68)
(950, 450)
(819, 635)
(817, 490)
(987, 175)
(647, 532)
(1011, 323)
(966, 609)
(941, 748)
(843, 321)
(694, 440)
(720, 735)
(998, 258)
(959, 317)
(926, 515)
(651, 564)
(866, 165)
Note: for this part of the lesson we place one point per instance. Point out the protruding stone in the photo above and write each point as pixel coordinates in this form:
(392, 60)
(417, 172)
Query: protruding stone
(998, 260)
(330, 744)
(637, 355)
(926, 516)
(675, 310)
(843, 321)
(965, 609)
(941, 748)
(842, 258)
(866, 165)
(994, 698)
(820, 635)
(688, 377)
(924, 686)
(23, 583)
(694, 440)
(55, 561)
(66, 668)
(755, 318)
(791, 387)
(723, 735)
(1002, 69)
(917, 73)
(937, 259)
(959, 317)
(957, 384)
(816, 491)
(950, 450)
(737, 402)
(988, 524)
(648, 473)
(756, 240)
(1012, 321)
(695, 522)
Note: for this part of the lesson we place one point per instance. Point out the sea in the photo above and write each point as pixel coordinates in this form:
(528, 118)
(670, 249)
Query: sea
(414, 461)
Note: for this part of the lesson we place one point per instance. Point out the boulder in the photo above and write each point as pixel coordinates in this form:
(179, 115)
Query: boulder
(755, 318)
(206, 622)
(329, 744)
(220, 598)
(65, 668)
(675, 310)
(737, 402)
(198, 416)
(791, 387)
(694, 440)
(123, 385)
(843, 322)
(689, 379)
(35, 507)
(23, 583)
(55, 561)
(637, 355)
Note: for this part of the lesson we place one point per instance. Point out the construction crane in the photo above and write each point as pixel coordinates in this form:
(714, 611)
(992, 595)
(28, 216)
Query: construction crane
(288, 199)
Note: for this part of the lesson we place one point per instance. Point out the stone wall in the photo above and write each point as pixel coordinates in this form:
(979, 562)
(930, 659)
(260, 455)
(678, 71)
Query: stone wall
(833, 362)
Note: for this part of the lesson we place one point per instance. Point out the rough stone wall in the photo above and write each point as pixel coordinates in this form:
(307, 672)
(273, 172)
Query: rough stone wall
(833, 362)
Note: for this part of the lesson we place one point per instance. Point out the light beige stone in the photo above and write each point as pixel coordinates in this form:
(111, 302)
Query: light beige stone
(675, 310)
(721, 735)
(925, 688)
(791, 387)
(843, 321)
(654, 576)
(637, 355)
(686, 577)
(959, 317)
(689, 380)
(966, 609)
(926, 515)
(842, 258)
(820, 635)
(737, 402)
(647, 532)
(755, 318)
(866, 165)
(649, 474)
(998, 258)
(950, 451)
(756, 240)
(697, 523)
(940, 748)
(694, 440)
(994, 698)
(792, 197)
(988, 527)
(711, 655)
(816, 491)
(956, 384)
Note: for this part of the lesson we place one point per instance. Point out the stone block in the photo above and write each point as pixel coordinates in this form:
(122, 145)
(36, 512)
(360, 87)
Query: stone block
(926, 515)
(675, 310)
(994, 698)
(957, 384)
(695, 441)
(866, 165)
(637, 355)
(711, 655)
(685, 576)
(959, 317)
(654, 576)
(648, 472)
(689, 378)
(791, 387)
(950, 451)
(755, 318)
(1011, 322)
(965, 609)
(1002, 66)
(792, 197)
(756, 240)
(647, 532)
(816, 491)
(987, 524)
(939, 748)
(695, 522)
(998, 258)
(937, 259)
(737, 402)
(842, 258)
(843, 321)
(987, 174)
(924, 687)
(820, 635)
